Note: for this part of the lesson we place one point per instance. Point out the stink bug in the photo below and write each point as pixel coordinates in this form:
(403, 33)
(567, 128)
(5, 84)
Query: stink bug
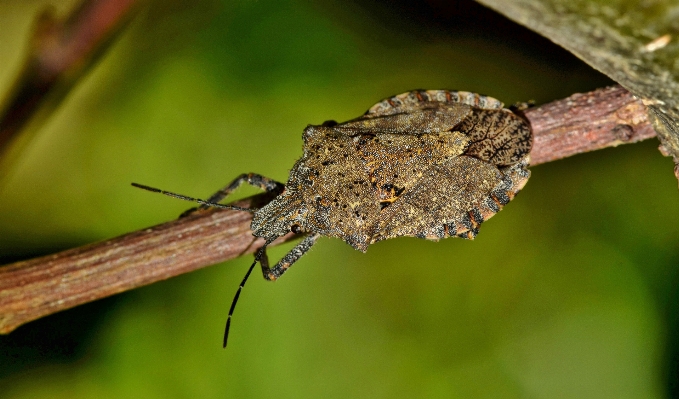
(430, 164)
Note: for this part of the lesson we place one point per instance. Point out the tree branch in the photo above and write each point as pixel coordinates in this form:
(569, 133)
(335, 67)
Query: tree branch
(38, 287)
(60, 53)
(586, 122)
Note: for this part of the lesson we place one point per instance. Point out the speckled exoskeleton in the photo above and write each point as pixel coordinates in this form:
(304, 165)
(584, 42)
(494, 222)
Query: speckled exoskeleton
(430, 164)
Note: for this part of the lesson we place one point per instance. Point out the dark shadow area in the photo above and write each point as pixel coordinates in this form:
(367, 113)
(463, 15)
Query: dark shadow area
(672, 350)
(63, 337)
(439, 20)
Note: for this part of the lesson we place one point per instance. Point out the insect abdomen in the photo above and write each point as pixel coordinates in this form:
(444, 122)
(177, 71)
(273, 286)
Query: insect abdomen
(414, 99)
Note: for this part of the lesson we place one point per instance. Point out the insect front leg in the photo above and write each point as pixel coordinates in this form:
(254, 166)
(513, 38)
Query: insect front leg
(291, 257)
(253, 179)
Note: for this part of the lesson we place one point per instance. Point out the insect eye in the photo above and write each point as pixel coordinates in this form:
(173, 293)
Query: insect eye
(295, 228)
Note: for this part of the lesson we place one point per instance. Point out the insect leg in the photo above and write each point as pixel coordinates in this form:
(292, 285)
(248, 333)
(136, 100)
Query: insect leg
(282, 266)
(270, 274)
(252, 179)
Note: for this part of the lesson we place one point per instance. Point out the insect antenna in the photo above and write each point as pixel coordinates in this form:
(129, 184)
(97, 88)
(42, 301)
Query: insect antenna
(191, 199)
(258, 256)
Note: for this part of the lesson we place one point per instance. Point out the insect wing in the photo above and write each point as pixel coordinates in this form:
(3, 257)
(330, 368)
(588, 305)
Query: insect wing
(439, 118)
(439, 205)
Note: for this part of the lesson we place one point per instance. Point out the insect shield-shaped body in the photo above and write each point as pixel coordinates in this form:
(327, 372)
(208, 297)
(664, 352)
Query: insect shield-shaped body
(428, 164)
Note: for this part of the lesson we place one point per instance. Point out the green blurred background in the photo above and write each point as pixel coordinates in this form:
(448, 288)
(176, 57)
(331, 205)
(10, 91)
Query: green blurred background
(571, 292)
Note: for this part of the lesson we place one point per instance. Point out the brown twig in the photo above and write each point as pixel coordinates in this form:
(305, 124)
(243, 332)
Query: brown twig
(61, 52)
(586, 122)
(35, 288)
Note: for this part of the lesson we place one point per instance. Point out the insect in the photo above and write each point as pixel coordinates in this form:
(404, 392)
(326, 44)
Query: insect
(430, 164)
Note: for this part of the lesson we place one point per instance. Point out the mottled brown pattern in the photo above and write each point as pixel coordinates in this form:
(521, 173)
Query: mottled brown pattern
(427, 164)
